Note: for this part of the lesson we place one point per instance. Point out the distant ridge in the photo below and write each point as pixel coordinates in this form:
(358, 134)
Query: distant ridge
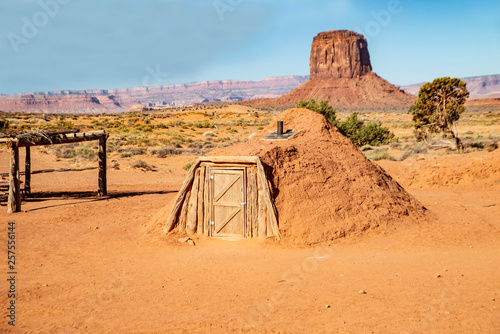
(480, 87)
(120, 100)
(485, 91)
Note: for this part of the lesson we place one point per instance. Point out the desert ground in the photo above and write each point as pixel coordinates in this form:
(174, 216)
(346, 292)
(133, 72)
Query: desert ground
(91, 265)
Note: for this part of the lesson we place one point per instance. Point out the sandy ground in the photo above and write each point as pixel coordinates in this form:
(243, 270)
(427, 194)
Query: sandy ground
(85, 265)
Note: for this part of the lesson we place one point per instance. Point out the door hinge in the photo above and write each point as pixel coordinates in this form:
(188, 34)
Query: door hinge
(244, 203)
(212, 223)
(211, 177)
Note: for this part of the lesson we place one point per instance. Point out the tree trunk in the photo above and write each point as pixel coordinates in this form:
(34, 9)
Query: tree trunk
(454, 133)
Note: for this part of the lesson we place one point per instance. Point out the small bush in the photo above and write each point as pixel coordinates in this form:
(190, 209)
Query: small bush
(128, 152)
(364, 134)
(188, 165)
(204, 125)
(380, 154)
(166, 151)
(4, 124)
(142, 165)
(323, 108)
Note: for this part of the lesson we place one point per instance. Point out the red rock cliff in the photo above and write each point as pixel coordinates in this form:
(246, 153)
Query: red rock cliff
(339, 54)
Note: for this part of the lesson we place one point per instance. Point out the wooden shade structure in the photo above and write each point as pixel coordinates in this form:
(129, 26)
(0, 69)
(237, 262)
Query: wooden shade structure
(30, 139)
(226, 197)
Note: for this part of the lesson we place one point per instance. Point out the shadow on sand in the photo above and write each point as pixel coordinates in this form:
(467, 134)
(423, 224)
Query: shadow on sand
(82, 195)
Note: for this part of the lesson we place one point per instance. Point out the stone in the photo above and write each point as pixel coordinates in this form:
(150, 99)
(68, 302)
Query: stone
(339, 54)
(362, 292)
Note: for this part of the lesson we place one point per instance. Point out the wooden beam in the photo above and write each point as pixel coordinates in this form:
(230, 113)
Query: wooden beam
(27, 172)
(14, 200)
(269, 203)
(54, 139)
(201, 205)
(103, 187)
(169, 226)
(229, 160)
(262, 212)
(191, 223)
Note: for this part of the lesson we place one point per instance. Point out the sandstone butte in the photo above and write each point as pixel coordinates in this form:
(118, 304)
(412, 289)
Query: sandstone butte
(341, 72)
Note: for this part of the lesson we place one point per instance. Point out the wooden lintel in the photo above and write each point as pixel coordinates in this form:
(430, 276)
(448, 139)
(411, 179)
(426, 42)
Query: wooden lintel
(56, 138)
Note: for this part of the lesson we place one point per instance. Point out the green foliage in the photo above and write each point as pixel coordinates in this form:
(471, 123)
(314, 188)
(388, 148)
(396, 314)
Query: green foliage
(364, 134)
(353, 128)
(188, 165)
(381, 154)
(204, 125)
(323, 108)
(439, 105)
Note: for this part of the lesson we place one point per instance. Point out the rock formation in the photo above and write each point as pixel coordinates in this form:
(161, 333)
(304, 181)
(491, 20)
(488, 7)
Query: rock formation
(341, 73)
(339, 54)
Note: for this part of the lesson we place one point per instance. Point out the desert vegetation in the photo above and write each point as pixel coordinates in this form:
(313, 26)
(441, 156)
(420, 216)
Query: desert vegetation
(439, 106)
(188, 132)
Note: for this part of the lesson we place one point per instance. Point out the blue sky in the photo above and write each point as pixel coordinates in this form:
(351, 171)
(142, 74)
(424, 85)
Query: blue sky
(74, 44)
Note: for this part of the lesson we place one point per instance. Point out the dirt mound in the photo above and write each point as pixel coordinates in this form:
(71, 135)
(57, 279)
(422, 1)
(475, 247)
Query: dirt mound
(323, 187)
(369, 92)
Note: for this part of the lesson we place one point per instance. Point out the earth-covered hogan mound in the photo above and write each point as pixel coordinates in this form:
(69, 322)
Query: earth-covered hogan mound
(320, 184)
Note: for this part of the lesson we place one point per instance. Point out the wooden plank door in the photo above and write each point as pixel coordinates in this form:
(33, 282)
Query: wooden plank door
(228, 202)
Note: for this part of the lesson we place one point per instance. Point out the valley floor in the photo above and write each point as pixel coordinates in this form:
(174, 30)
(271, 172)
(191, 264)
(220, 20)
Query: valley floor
(86, 265)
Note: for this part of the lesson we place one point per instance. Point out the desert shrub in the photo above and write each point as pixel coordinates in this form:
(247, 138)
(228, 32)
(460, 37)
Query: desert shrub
(161, 126)
(127, 152)
(142, 165)
(417, 148)
(87, 153)
(115, 165)
(65, 153)
(188, 165)
(361, 134)
(323, 108)
(241, 122)
(166, 151)
(380, 154)
(204, 125)
(231, 130)
(406, 155)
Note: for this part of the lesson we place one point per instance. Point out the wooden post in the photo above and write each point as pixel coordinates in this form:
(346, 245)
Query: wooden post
(14, 200)
(27, 172)
(103, 189)
(262, 218)
(201, 206)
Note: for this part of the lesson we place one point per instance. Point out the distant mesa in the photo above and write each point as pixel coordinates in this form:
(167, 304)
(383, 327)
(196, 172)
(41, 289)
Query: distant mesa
(339, 54)
(341, 72)
(139, 108)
